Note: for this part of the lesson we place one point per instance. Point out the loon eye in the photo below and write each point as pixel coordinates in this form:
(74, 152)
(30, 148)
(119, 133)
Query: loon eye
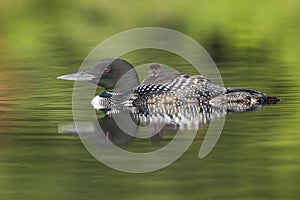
(105, 70)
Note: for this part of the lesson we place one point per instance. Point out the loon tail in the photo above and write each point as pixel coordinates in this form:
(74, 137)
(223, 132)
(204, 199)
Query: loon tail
(270, 100)
(249, 96)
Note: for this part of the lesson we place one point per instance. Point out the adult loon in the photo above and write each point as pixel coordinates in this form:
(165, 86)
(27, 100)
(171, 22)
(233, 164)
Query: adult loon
(179, 90)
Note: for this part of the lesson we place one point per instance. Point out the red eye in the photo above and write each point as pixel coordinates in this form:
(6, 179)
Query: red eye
(105, 70)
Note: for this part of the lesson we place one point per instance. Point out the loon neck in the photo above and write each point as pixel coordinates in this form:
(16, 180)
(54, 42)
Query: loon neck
(109, 93)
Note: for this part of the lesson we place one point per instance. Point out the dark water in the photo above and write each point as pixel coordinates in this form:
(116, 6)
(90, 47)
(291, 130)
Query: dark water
(257, 154)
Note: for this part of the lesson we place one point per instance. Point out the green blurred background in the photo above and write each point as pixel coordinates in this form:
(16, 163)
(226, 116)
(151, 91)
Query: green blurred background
(255, 44)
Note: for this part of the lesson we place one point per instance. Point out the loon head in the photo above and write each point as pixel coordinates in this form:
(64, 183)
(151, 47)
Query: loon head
(107, 73)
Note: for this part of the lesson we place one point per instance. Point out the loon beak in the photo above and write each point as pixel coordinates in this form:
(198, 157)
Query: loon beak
(78, 76)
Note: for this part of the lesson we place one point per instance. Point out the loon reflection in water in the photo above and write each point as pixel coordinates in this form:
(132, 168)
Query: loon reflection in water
(177, 101)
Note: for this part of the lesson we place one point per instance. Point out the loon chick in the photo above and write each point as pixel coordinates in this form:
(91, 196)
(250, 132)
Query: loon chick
(156, 76)
(108, 73)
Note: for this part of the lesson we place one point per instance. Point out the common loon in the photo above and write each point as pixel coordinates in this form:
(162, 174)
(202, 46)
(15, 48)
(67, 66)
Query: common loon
(182, 90)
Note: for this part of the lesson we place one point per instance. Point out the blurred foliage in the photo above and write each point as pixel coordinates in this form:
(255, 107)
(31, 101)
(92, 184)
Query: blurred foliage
(36, 28)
